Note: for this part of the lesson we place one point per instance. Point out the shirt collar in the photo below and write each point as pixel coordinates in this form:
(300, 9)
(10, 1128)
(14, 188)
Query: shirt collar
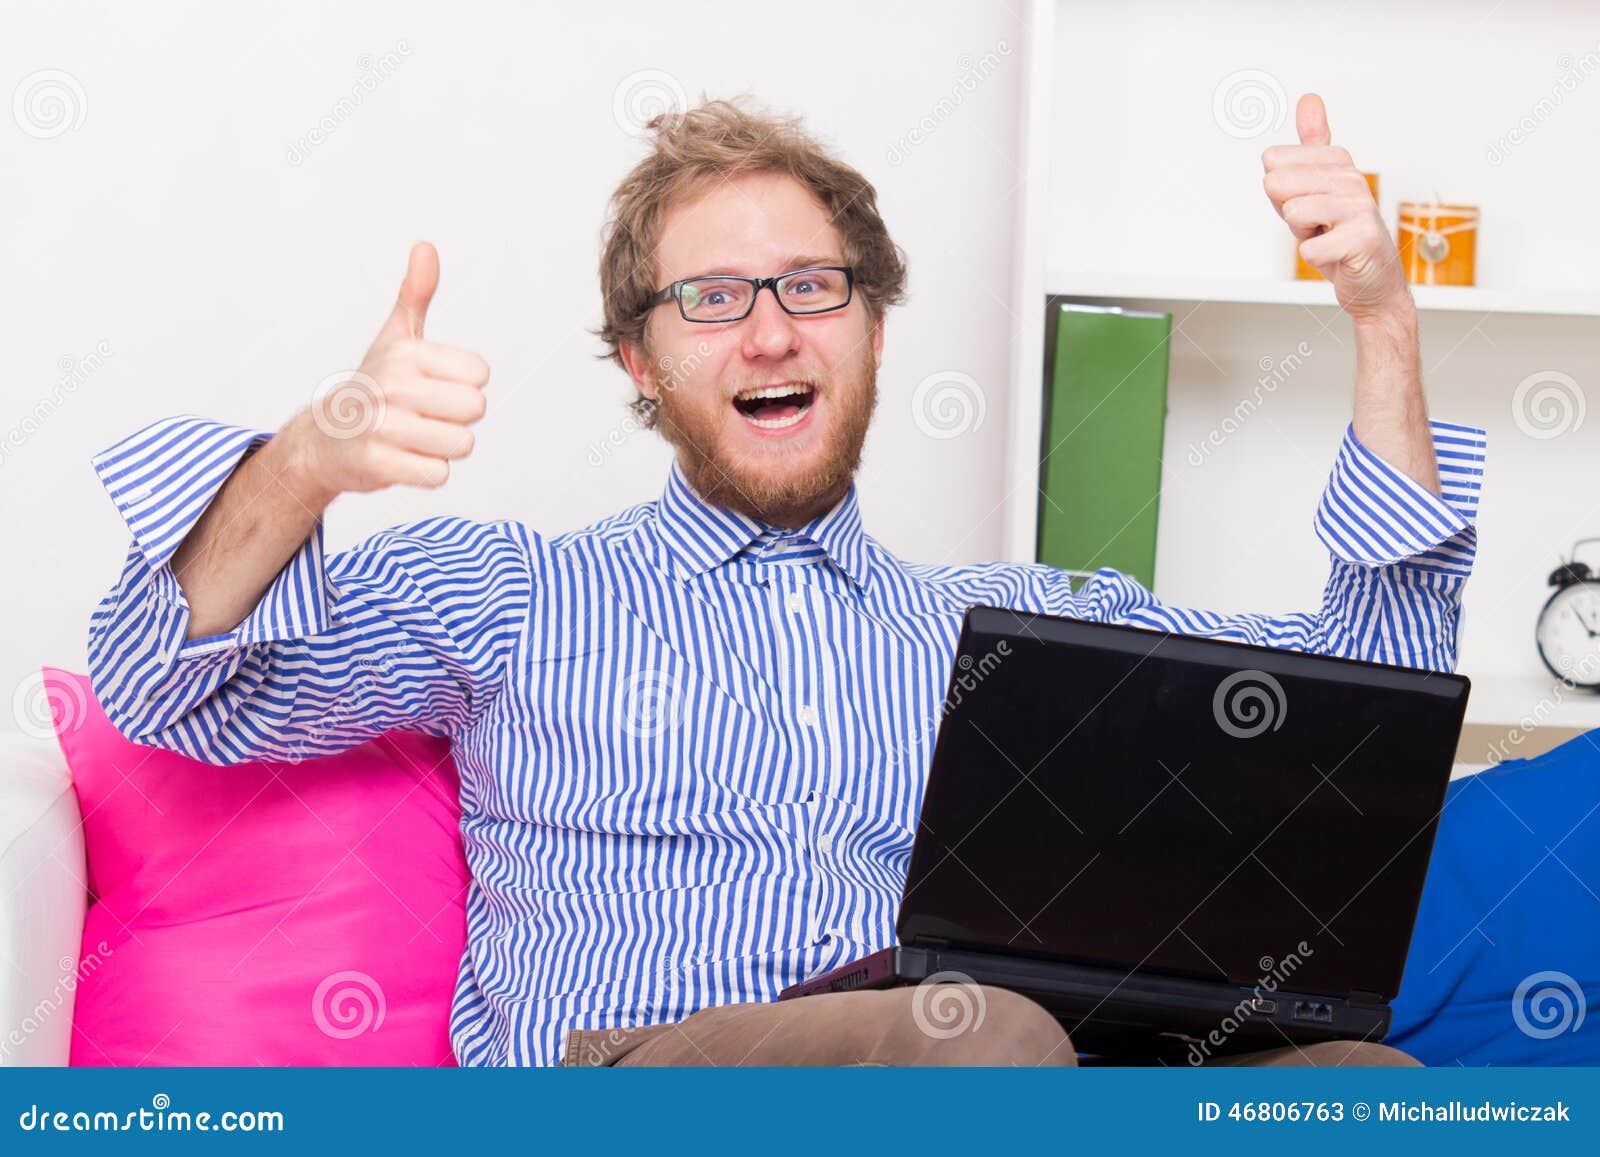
(700, 536)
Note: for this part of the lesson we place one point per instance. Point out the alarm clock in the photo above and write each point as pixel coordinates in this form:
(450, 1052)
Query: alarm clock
(1568, 633)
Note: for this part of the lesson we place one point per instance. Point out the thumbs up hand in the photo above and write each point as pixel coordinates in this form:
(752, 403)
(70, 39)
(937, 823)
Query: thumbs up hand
(1324, 199)
(404, 414)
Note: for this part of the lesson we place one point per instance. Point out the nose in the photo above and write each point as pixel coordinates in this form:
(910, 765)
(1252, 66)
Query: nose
(769, 332)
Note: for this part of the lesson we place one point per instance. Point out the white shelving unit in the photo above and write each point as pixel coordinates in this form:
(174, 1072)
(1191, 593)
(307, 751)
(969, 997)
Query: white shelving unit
(1532, 702)
(1265, 291)
(1128, 198)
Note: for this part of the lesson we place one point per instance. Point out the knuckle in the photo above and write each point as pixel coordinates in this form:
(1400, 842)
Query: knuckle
(403, 352)
(378, 469)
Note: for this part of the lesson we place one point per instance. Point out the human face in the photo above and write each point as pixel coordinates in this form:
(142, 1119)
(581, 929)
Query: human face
(782, 460)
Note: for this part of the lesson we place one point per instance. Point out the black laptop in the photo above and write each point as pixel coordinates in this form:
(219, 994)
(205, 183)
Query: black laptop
(1175, 844)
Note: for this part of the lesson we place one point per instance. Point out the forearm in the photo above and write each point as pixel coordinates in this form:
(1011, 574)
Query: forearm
(258, 521)
(1401, 556)
(1391, 412)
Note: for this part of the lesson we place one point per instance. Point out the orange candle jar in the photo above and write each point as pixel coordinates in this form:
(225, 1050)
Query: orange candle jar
(1439, 243)
(1304, 272)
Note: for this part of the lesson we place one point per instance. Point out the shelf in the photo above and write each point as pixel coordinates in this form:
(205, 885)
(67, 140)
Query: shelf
(1267, 291)
(1530, 702)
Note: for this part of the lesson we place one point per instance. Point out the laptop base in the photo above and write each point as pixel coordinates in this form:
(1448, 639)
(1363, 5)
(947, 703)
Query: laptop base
(1113, 1012)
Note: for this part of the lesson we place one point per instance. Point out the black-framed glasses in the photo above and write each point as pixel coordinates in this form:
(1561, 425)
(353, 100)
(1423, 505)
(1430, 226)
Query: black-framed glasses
(723, 297)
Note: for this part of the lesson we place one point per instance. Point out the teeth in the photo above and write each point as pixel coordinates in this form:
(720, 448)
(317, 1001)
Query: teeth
(776, 423)
(773, 392)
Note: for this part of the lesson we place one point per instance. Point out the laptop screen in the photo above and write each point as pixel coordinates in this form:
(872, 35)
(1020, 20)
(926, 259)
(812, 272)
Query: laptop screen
(1181, 806)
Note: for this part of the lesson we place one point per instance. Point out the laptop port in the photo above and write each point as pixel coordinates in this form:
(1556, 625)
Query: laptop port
(1316, 1011)
(1263, 1004)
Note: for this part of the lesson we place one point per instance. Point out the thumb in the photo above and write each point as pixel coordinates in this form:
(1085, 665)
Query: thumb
(1311, 120)
(416, 291)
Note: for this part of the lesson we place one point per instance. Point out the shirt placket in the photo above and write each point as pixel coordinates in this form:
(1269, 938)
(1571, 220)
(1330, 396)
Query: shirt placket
(810, 690)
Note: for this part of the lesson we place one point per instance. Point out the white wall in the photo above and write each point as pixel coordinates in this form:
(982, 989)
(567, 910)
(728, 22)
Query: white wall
(227, 269)
(1427, 94)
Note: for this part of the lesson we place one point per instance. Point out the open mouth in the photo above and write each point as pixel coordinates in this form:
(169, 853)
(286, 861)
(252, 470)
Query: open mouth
(775, 407)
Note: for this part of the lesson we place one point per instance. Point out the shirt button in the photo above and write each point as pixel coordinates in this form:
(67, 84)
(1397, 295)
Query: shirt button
(825, 843)
(808, 715)
(795, 601)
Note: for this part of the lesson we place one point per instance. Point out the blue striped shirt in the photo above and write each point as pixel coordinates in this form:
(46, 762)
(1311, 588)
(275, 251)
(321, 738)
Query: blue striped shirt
(692, 746)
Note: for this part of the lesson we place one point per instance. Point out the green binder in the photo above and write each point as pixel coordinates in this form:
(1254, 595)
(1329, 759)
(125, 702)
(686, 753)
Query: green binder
(1105, 413)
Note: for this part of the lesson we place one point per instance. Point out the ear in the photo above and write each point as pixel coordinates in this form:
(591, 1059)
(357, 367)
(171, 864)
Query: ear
(877, 342)
(640, 367)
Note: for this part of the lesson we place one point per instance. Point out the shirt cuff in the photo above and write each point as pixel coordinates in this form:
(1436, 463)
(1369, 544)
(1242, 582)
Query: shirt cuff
(162, 479)
(1373, 515)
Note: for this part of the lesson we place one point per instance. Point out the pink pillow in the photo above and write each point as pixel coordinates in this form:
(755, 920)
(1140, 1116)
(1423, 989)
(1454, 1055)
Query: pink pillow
(305, 913)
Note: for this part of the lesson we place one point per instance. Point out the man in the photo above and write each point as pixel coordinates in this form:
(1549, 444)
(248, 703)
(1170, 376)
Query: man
(693, 737)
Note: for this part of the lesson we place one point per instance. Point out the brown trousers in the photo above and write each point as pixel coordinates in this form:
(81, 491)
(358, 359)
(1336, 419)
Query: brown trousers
(961, 1025)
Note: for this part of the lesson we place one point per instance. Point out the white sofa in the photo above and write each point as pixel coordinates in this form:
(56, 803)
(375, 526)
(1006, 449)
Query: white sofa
(43, 893)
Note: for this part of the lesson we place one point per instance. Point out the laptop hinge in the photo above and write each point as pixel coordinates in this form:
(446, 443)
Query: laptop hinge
(1361, 996)
(927, 942)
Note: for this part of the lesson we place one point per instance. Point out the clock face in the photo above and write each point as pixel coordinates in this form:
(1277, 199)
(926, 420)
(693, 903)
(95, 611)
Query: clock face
(1569, 634)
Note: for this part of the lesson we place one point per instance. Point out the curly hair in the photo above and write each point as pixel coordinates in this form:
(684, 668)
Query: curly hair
(706, 145)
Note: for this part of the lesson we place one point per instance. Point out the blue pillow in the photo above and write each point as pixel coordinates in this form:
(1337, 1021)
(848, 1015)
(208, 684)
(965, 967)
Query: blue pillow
(1504, 967)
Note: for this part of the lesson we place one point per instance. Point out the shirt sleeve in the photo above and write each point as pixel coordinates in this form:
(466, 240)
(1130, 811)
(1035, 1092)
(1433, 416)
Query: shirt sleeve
(414, 628)
(1400, 556)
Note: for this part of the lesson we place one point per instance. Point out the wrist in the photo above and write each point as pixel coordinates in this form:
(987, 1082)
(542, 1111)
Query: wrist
(1395, 323)
(297, 466)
